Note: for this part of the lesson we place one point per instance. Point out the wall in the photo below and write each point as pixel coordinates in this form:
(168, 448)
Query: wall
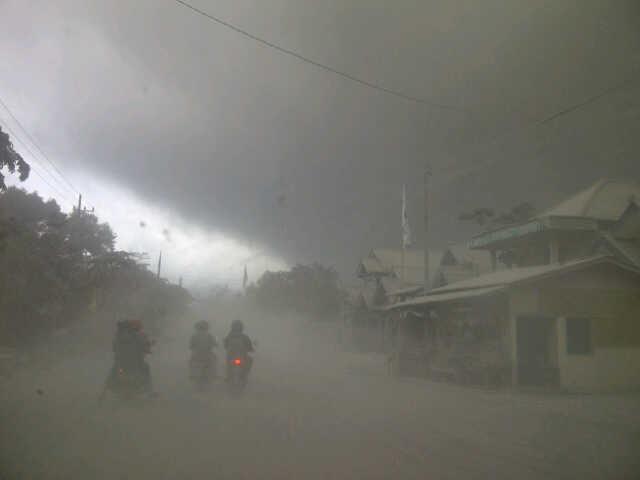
(604, 369)
(612, 302)
(604, 276)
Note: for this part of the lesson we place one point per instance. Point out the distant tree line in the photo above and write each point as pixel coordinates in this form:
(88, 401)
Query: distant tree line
(488, 219)
(306, 289)
(58, 270)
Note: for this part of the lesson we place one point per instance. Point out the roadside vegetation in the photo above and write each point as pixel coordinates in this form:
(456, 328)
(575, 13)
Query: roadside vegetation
(61, 270)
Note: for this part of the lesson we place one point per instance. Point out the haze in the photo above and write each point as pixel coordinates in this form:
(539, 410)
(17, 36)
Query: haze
(203, 121)
(263, 147)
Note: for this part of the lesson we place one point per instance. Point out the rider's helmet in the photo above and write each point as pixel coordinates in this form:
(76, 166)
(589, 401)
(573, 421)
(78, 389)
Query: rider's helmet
(237, 326)
(202, 325)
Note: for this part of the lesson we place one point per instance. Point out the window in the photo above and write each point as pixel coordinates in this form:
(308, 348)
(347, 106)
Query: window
(578, 336)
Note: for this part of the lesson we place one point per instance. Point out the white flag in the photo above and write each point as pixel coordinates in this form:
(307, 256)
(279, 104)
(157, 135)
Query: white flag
(406, 230)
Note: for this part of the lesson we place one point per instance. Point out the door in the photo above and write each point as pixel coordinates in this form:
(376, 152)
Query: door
(534, 334)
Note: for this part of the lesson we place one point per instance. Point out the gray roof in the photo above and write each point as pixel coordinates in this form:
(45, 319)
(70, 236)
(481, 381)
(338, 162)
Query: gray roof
(446, 297)
(604, 200)
(390, 284)
(626, 250)
(516, 275)
(628, 226)
(504, 278)
(408, 267)
(408, 291)
(479, 261)
(454, 273)
(369, 266)
(394, 286)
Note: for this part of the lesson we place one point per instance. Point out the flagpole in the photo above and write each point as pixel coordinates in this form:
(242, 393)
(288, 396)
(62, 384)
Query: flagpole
(404, 199)
(405, 233)
(403, 267)
(427, 283)
(245, 279)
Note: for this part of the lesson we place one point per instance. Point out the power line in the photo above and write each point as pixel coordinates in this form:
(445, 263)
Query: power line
(36, 160)
(28, 149)
(629, 80)
(53, 187)
(620, 86)
(299, 56)
(38, 146)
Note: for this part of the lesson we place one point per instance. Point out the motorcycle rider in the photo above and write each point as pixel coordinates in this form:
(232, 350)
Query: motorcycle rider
(202, 344)
(130, 346)
(238, 344)
(143, 349)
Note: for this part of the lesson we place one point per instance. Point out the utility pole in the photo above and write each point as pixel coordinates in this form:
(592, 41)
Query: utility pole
(79, 203)
(159, 264)
(427, 176)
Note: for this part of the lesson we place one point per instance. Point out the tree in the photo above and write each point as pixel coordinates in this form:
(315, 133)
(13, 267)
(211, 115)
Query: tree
(486, 217)
(57, 269)
(12, 160)
(309, 289)
(480, 215)
(85, 235)
(520, 213)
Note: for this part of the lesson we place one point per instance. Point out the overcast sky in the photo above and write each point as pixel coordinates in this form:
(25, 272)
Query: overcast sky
(155, 111)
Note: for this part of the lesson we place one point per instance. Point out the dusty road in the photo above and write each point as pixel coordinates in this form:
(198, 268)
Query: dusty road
(309, 413)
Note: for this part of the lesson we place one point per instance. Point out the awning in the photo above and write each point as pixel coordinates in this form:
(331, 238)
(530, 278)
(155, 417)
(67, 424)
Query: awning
(405, 291)
(506, 233)
(447, 297)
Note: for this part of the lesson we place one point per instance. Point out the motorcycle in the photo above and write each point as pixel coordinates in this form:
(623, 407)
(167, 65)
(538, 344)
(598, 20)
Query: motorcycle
(126, 383)
(238, 373)
(202, 370)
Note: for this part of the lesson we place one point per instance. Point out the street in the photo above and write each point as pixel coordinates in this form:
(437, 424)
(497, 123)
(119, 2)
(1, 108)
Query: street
(310, 411)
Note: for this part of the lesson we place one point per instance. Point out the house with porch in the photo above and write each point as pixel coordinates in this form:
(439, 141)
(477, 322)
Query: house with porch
(574, 325)
(391, 276)
(567, 312)
(459, 262)
(569, 230)
(388, 275)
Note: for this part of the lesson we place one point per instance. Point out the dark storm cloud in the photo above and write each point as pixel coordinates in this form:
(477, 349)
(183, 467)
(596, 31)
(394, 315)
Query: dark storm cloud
(307, 164)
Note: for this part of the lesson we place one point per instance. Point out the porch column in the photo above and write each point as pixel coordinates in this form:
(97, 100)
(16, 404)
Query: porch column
(561, 345)
(513, 344)
(554, 251)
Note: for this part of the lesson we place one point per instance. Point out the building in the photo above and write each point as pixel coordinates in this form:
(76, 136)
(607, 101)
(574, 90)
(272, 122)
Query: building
(568, 230)
(622, 239)
(392, 275)
(388, 276)
(458, 263)
(575, 325)
(567, 311)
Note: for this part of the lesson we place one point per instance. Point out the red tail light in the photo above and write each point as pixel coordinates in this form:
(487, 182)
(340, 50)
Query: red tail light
(237, 361)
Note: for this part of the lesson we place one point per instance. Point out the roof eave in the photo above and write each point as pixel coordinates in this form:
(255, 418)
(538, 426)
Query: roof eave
(532, 226)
